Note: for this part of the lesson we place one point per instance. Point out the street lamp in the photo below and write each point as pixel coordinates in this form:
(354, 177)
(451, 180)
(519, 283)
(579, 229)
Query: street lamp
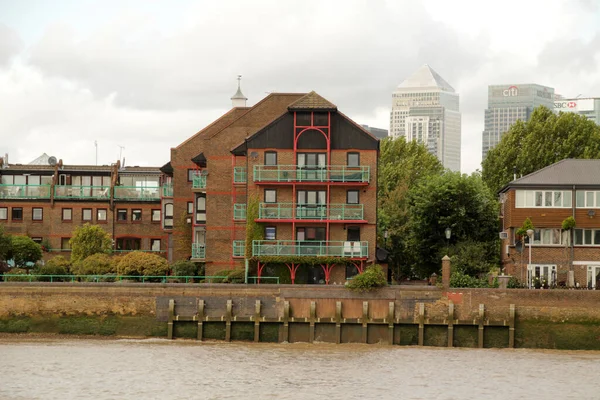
(530, 235)
(448, 233)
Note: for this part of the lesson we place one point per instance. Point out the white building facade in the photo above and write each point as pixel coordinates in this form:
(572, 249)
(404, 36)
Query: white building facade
(425, 108)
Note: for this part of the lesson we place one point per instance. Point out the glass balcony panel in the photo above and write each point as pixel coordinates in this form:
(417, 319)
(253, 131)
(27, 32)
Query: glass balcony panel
(310, 248)
(81, 192)
(277, 211)
(198, 250)
(294, 173)
(199, 182)
(136, 193)
(10, 191)
(239, 175)
(239, 212)
(239, 248)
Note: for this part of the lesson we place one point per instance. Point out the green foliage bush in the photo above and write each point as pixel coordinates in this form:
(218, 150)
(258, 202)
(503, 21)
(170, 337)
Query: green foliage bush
(96, 264)
(17, 271)
(5, 244)
(140, 263)
(87, 240)
(53, 267)
(58, 263)
(371, 278)
(514, 283)
(184, 268)
(24, 250)
(461, 280)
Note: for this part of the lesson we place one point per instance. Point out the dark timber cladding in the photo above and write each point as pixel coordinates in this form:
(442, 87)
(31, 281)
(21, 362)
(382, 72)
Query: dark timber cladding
(344, 135)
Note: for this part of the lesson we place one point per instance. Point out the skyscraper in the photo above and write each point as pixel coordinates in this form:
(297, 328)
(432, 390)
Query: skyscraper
(509, 103)
(588, 107)
(425, 108)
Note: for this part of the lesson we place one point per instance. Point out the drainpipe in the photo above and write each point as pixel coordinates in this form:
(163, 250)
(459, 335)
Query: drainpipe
(571, 276)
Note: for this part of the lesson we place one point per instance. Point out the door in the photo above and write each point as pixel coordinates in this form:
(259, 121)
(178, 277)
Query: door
(593, 277)
(541, 276)
(311, 204)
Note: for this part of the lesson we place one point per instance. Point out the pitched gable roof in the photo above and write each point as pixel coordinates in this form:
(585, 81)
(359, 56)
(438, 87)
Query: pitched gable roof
(312, 101)
(565, 172)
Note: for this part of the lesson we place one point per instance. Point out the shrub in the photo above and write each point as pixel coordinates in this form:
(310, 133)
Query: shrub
(96, 264)
(184, 268)
(59, 262)
(140, 263)
(513, 283)
(52, 268)
(17, 271)
(25, 250)
(371, 278)
(235, 276)
(461, 280)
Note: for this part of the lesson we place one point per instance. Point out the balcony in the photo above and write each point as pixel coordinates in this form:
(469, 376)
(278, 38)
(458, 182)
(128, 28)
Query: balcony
(310, 248)
(333, 212)
(198, 251)
(239, 175)
(167, 191)
(239, 212)
(239, 248)
(10, 191)
(199, 182)
(82, 192)
(293, 174)
(137, 193)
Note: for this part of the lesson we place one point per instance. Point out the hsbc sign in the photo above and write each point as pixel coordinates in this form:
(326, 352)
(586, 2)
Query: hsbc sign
(565, 104)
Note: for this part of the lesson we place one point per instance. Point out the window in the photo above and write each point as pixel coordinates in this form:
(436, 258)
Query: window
(587, 237)
(155, 215)
(311, 160)
(270, 158)
(190, 207)
(37, 240)
(587, 199)
(3, 213)
(270, 196)
(201, 208)
(168, 215)
(351, 271)
(353, 159)
(37, 214)
(65, 244)
(67, 214)
(101, 215)
(122, 215)
(547, 236)
(17, 214)
(545, 199)
(270, 233)
(86, 214)
(191, 174)
(352, 197)
(136, 215)
(155, 244)
(128, 244)
(310, 234)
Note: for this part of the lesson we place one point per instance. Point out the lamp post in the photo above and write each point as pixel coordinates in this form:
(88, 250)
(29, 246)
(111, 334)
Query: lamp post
(448, 233)
(385, 237)
(530, 235)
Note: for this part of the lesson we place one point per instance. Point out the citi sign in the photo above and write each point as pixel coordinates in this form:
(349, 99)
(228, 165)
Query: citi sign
(511, 91)
(565, 104)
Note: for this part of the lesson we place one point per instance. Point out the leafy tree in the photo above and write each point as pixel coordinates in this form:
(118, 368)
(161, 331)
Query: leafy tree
(451, 200)
(5, 245)
(527, 225)
(24, 250)
(401, 166)
(475, 258)
(140, 263)
(87, 240)
(545, 139)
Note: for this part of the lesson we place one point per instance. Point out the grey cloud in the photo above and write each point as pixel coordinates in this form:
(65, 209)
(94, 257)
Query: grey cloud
(10, 44)
(570, 54)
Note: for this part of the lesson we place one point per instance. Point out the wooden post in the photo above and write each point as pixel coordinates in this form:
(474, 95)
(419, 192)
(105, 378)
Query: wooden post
(450, 324)
(511, 327)
(338, 322)
(200, 320)
(286, 321)
(171, 315)
(257, 321)
(228, 321)
(481, 314)
(391, 316)
(365, 321)
(313, 316)
(421, 323)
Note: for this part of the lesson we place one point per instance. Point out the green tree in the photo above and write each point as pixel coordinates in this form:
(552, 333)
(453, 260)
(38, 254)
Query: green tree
(545, 139)
(401, 166)
(451, 200)
(5, 245)
(24, 251)
(87, 240)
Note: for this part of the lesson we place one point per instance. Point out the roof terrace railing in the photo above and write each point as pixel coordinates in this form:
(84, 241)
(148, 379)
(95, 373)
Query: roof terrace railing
(310, 248)
(294, 173)
(10, 191)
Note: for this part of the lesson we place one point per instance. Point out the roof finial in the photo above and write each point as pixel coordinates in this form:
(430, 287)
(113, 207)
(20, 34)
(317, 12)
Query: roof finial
(238, 99)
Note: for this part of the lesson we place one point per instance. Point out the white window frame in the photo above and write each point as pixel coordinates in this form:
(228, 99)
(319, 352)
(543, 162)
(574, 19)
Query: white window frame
(584, 242)
(546, 272)
(527, 198)
(584, 195)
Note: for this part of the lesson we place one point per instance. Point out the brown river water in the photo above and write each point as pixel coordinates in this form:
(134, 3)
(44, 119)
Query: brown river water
(161, 369)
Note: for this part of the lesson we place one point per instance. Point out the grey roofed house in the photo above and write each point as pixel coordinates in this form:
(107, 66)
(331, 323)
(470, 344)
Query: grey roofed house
(568, 172)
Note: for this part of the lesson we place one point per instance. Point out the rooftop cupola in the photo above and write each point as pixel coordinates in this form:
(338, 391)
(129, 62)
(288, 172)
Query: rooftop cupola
(238, 99)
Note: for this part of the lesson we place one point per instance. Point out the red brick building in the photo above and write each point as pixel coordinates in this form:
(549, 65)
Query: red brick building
(568, 188)
(47, 202)
(309, 172)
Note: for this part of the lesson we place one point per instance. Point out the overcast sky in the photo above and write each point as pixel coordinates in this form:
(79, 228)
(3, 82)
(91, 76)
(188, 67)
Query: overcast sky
(146, 75)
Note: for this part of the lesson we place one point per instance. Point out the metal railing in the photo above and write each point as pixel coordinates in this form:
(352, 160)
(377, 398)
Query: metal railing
(136, 193)
(133, 278)
(167, 190)
(239, 212)
(239, 175)
(311, 211)
(293, 173)
(198, 250)
(239, 248)
(10, 191)
(310, 248)
(199, 182)
(81, 192)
